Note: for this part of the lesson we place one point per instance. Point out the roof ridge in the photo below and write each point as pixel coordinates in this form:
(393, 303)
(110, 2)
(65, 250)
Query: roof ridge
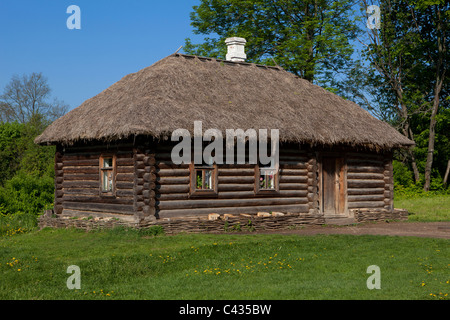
(244, 63)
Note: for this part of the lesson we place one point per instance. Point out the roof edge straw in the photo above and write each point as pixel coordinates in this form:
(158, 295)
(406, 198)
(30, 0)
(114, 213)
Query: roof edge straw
(180, 89)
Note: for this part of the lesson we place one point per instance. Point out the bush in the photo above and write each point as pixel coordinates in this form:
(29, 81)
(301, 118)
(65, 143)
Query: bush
(27, 194)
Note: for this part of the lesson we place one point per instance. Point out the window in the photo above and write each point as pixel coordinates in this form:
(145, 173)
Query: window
(266, 179)
(107, 175)
(203, 180)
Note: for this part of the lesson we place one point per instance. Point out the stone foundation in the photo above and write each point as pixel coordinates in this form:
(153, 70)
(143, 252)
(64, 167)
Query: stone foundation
(215, 223)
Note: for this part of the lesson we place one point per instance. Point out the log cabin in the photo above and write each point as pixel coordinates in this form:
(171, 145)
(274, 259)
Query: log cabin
(113, 152)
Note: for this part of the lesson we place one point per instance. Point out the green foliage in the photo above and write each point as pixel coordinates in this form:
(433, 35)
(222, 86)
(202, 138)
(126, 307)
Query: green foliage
(307, 38)
(26, 176)
(26, 193)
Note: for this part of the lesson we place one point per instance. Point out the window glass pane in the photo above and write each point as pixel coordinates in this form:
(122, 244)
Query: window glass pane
(204, 179)
(208, 179)
(107, 181)
(266, 178)
(107, 163)
(199, 179)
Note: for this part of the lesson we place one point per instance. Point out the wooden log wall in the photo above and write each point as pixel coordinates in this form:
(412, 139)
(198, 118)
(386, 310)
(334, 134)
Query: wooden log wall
(236, 187)
(145, 183)
(369, 181)
(78, 188)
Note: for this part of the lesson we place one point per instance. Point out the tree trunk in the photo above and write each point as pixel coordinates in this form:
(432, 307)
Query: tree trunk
(446, 173)
(440, 75)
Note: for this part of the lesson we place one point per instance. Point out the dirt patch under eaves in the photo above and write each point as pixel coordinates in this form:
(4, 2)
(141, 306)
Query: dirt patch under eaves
(400, 228)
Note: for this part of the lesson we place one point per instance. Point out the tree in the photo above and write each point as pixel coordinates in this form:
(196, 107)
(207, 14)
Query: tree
(403, 79)
(28, 96)
(311, 38)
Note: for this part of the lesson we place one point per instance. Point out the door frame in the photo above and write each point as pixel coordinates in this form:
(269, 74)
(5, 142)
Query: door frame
(341, 199)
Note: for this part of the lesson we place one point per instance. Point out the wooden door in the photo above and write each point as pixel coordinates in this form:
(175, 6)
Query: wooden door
(333, 186)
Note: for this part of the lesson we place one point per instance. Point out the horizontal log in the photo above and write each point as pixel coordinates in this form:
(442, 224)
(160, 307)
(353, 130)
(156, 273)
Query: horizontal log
(80, 184)
(178, 188)
(125, 169)
(353, 155)
(81, 170)
(125, 162)
(292, 157)
(236, 171)
(295, 208)
(82, 177)
(373, 169)
(169, 165)
(214, 203)
(236, 187)
(293, 186)
(82, 156)
(293, 165)
(100, 207)
(111, 148)
(293, 172)
(233, 195)
(124, 185)
(363, 191)
(365, 175)
(366, 204)
(81, 163)
(125, 177)
(236, 179)
(172, 172)
(358, 198)
(98, 199)
(365, 183)
(367, 162)
(293, 179)
(125, 193)
(173, 180)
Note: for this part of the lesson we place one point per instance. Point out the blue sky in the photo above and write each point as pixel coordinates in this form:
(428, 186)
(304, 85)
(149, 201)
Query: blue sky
(117, 37)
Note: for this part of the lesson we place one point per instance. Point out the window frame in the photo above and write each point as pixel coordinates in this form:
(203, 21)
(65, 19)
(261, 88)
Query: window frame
(102, 169)
(193, 191)
(276, 179)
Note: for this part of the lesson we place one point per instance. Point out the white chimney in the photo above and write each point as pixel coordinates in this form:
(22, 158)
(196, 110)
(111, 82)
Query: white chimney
(236, 50)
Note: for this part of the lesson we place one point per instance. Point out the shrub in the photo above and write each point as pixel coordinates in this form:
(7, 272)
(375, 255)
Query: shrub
(27, 194)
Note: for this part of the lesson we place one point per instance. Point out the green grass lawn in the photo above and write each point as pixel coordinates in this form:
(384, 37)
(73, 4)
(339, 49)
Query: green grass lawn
(121, 264)
(428, 208)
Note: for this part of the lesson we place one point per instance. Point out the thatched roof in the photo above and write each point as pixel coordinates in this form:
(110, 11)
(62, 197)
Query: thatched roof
(180, 89)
